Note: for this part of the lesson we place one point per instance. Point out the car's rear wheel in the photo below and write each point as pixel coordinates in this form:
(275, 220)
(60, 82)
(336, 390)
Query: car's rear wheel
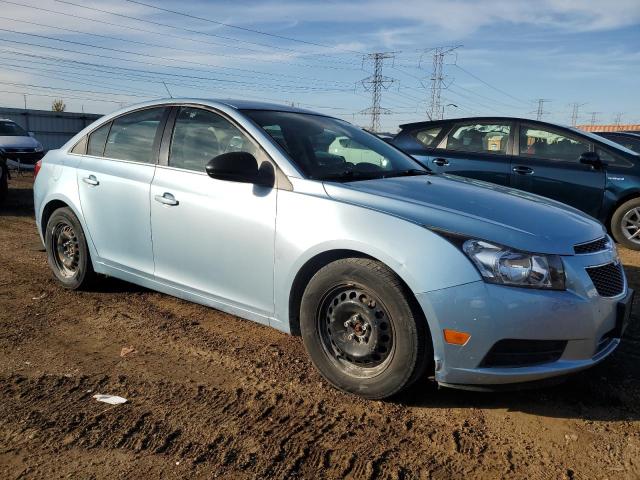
(625, 224)
(361, 329)
(67, 250)
(4, 181)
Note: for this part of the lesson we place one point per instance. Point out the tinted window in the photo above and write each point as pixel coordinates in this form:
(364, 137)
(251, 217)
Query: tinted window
(330, 149)
(131, 136)
(427, 136)
(542, 143)
(627, 141)
(97, 140)
(479, 137)
(611, 159)
(11, 129)
(200, 135)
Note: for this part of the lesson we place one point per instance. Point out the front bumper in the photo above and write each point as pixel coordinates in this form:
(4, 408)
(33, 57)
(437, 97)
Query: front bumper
(491, 313)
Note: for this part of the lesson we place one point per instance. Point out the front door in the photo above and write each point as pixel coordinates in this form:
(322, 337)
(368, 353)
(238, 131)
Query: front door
(212, 236)
(548, 165)
(476, 150)
(114, 180)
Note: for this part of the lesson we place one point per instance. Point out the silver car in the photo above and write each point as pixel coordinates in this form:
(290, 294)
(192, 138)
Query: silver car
(386, 270)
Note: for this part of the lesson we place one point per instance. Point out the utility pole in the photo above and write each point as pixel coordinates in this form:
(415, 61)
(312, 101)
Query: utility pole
(618, 119)
(435, 110)
(594, 117)
(575, 107)
(540, 112)
(376, 83)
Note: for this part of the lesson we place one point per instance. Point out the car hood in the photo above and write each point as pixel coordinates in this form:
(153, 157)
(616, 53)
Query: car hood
(18, 142)
(478, 209)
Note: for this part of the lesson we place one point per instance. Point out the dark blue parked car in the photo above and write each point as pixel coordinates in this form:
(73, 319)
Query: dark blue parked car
(586, 171)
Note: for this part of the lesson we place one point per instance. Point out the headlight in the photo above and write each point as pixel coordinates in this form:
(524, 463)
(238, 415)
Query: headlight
(39, 148)
(499, 264)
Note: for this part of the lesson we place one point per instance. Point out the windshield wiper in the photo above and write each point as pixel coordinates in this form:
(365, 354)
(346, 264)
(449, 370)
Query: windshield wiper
(411, 172)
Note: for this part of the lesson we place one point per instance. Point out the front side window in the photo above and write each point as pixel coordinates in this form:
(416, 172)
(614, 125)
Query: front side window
(428, 136)
(132, 136)
(327, 148)
(200, 135)
(97, 140)
(11, 129)
(479, 138)
(542, 143)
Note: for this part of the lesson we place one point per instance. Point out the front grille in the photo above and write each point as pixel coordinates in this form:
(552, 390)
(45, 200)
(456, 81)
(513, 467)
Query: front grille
(19, 150)
(523, 353)
(608, 279)
(592, 247)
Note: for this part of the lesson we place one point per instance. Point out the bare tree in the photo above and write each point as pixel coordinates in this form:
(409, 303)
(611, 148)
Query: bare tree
(58, 105)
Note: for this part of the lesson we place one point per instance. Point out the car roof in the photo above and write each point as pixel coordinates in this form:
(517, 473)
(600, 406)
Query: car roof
(236, 104)
(481, 119)
(624, 134)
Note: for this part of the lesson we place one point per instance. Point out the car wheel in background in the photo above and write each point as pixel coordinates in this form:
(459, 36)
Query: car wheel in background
(625, 224)
(361, 330)
(67, 251)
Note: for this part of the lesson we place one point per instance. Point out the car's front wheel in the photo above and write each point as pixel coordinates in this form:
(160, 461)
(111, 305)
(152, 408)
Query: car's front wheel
(625, 224)
(67, 250)
(361, 330)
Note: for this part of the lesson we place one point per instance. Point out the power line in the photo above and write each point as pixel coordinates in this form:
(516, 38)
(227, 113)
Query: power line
(376, 83)
(489, 85)
(237, 27)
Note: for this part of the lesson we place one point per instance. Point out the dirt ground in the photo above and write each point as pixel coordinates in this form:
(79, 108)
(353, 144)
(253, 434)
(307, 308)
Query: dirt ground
(211, 395)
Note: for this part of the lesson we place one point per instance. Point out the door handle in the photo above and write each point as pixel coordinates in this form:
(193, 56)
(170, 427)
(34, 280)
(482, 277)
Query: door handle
(523, 170)
(91, 180)
(441, 162)
(166, 199)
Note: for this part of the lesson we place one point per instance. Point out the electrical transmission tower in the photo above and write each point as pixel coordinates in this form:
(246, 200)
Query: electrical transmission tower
(376, 83)
(435, 110)
(594, 117)
(618, 119)
(540, 112)
(575, 108)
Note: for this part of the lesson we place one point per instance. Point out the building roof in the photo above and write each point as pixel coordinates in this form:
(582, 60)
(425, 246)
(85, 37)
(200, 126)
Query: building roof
(629, 127)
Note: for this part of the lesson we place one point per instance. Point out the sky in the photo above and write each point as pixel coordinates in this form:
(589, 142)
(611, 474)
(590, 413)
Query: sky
(99, 56)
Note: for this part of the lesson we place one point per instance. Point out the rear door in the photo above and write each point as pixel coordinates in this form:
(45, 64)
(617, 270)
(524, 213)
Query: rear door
(548, 164)
(478, 150)
(114, 180)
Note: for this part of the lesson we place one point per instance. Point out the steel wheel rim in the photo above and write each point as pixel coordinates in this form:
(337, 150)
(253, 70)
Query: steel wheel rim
(66, 249)
(356, 331)
(630, 225)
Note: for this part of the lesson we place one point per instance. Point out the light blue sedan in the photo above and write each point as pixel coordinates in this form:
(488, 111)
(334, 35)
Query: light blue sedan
(389, 273)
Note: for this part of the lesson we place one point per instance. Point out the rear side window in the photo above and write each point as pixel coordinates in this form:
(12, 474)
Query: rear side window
(548, 144)
(200, 135)
(479, 137)
(97, 140)
(132, 136)
(427, 136)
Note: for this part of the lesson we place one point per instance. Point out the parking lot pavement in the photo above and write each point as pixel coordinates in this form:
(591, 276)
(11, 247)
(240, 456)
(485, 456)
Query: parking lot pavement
(210, 394)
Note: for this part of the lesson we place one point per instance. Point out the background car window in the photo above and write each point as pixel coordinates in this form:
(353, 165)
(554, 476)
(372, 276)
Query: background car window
(479, 137)
(200, 135)
(610, 159)
(538, 142)
(131, 136)
(97, 140)
(428, 136)
(11, 129)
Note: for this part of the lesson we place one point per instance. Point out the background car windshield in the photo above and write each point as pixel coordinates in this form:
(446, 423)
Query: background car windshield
(328, 148)
(11, 129)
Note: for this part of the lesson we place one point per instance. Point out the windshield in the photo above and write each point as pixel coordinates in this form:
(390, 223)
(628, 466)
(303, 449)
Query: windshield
(330, 149)
(11, 129)
(606, 141)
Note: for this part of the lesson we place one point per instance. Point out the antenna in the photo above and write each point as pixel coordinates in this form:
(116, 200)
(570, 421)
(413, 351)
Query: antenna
(167, 88)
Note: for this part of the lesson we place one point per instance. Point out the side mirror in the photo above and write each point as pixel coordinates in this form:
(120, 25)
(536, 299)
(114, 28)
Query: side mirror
(592, 159)
(239, 167)
(31, 134)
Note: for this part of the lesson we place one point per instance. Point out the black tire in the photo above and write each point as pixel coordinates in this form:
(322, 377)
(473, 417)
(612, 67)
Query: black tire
(67, 251)
(622, 224)
(343, 297)
(4, 181)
